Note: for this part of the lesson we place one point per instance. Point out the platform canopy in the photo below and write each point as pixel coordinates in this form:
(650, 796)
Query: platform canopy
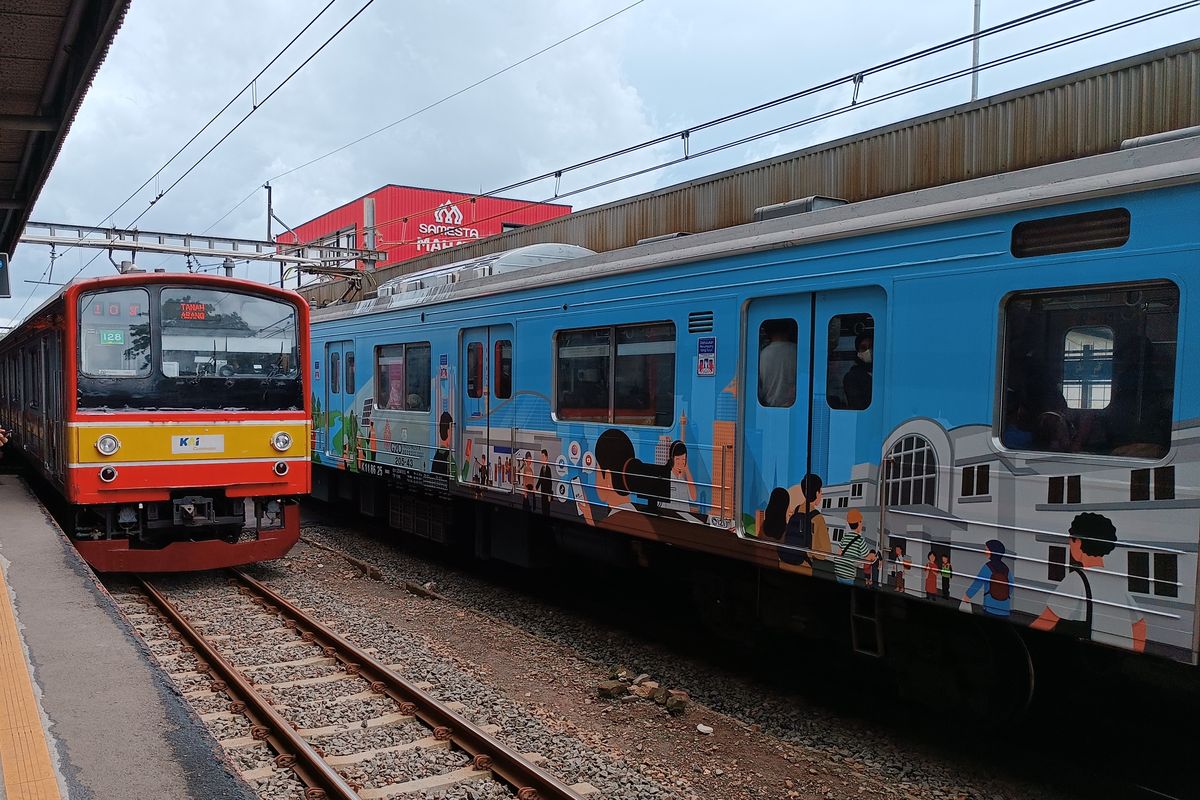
(49, 53)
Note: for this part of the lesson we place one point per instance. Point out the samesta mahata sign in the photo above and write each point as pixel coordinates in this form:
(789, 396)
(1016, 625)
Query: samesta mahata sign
(445, 231)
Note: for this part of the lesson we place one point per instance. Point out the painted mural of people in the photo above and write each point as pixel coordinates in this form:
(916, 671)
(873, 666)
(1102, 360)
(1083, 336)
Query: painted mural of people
(898, 563)
(1091, 603)
(932, 574)
(806, 545)
(871, 569)
(683, 488)
(619, 475)
(995, 580)
(442, 458)
(775, 517)
(854, 550)
(947, 574)
(545, 483)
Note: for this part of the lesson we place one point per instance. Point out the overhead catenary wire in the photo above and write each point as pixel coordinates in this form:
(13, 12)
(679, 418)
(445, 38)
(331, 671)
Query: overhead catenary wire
(908, 89)
(195, 136)
(685, 133)
(253, 110)
(858, 76)
(434, 104)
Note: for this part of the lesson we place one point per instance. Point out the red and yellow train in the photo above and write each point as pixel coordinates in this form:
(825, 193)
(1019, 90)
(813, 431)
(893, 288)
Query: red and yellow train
(170, 413)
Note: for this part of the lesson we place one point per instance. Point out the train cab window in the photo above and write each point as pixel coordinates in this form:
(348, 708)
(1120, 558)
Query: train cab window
(210, 332)
(349, 373)
(583, 366)
(403, 377)
(850, 362)
(335, 372)
(1091, 370)
(502, 365)
(114, 334)
(475, 370)
(777, 363)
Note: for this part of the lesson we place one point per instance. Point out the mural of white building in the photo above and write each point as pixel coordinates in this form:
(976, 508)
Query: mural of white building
(951, 491)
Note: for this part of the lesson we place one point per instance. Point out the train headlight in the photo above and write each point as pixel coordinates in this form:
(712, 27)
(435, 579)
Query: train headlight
(108, 444)
(281, 441)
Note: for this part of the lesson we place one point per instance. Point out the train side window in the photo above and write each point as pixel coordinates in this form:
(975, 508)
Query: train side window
(114, 334)
(583, 362)
(475, 370)
(1090, 370)
(502, 366)
(335, 373)
(777, 363)
(849, 364)
(402, 377)
(349, 373)
(644, 375)
(417, 376)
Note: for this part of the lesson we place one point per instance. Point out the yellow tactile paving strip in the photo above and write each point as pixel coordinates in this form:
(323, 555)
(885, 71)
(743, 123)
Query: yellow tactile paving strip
(24, 752)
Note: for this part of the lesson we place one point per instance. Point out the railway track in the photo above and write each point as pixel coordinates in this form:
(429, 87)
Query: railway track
(303, 712)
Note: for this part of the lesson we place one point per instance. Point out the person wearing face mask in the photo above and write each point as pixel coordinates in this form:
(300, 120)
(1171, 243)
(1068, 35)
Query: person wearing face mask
(857, 383)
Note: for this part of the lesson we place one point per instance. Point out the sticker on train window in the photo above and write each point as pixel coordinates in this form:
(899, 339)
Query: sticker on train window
(112, 337)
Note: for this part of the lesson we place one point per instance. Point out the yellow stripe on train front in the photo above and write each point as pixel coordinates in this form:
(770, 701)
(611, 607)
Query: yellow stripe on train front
(186, 442)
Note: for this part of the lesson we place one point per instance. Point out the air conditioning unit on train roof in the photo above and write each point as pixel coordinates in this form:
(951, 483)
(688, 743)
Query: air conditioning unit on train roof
(534, 255)
(803, 205)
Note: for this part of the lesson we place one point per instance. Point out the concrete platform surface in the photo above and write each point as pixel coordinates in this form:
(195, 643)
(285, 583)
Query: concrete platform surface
(84, 712)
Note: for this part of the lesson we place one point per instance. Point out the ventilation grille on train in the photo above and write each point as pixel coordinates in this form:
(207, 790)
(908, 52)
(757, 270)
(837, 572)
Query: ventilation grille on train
(700, 322)
(1094, 230)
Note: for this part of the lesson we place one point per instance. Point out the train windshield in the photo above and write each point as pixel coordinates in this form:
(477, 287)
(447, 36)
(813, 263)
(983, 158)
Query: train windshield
(206, 332)
(115, 334)
(188, 348)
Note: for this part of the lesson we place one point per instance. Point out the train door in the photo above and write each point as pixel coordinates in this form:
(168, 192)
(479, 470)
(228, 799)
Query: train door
(486, 444)
(775, 438)
(337, 400)
(847, 409)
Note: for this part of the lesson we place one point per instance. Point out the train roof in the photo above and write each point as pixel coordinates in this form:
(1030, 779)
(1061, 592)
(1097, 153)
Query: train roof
(1155, 162)
(145, 278)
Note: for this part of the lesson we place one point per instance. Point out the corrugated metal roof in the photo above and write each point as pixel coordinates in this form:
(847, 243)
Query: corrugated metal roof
(49, 53)
(1080, 114)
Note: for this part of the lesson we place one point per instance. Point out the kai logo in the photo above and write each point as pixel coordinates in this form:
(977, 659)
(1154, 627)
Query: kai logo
(198, 444)
(448, 214)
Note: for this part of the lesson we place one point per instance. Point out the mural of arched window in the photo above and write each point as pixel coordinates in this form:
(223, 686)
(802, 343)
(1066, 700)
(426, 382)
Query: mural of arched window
(911, 473)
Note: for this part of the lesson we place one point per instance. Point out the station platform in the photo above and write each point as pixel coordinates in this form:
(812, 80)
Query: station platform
(84, 713)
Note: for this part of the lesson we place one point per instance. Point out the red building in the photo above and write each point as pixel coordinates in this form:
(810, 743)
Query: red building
(411, 222)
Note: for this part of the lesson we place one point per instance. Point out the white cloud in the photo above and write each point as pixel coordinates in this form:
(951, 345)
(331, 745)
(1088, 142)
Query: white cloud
(661, 66)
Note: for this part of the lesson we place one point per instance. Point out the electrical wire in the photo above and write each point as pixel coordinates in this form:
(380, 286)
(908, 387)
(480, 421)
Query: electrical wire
(252, 111)
(909, 89)
(684, 133)
(432, 105)
(189, 142)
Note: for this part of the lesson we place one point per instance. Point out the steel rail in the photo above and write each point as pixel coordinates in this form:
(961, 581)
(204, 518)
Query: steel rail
(293, 751)
(487, 753)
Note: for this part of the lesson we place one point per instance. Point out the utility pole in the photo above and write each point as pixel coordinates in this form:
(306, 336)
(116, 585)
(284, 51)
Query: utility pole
(267, 186)
(974, 57)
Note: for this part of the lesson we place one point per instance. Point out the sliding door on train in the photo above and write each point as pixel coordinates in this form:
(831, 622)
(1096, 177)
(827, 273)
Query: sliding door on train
(812, 408)
(339, 399)
(776, 431)
(485, 442)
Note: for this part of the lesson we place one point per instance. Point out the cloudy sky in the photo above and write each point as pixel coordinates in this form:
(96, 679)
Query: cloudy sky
(659, 66)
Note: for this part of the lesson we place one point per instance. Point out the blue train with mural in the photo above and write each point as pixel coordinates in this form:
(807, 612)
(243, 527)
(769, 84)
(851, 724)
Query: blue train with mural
(973, 396)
